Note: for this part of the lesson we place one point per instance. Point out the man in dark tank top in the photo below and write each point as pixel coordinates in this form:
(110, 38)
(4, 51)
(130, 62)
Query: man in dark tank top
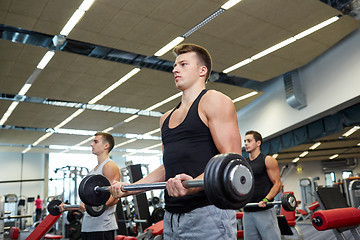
(202, 125)
(261, 222)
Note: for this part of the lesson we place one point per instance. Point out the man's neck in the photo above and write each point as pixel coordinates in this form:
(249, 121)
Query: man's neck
(102, 157)
(254, 154)
(190, 94)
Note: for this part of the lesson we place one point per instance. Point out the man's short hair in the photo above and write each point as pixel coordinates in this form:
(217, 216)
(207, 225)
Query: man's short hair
(201, 52)
(257, 135)
(108, 138)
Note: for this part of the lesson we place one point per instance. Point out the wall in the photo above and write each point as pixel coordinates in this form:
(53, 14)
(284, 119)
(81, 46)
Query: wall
(32, 168)
(328, 81)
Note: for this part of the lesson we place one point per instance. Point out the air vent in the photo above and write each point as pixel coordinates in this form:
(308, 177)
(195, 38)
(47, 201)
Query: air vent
(295, 96)
(342, 163)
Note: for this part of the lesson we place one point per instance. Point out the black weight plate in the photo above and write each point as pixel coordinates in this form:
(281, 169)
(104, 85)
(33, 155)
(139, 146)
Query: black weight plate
(74, 215)
(210, 181)
(238, 181)
(81, 190)
(214, 184)
(157, 215)
(53, 208)
(95, 211)
(87, 192)
(288, 202)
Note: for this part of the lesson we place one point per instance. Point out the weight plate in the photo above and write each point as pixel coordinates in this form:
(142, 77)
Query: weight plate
(95, 211)
(53, 207)
(158, 214)
(216, 185)
(74, 215)
(288, 202)
(87, 192)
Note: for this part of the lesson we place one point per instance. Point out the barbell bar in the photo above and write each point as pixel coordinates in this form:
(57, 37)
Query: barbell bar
(228, 183)
(94, 211)
(288, 202)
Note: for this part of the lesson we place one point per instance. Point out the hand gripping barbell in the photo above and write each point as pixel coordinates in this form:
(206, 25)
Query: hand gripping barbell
(94, 211)
(288, 202)
(228, 183)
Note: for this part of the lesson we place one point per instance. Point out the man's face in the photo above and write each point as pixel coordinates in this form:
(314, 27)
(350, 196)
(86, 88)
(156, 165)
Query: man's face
(98, 145)
(187, 70)
(250, 143)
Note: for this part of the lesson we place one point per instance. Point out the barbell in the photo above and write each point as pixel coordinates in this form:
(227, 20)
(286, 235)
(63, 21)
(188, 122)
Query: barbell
(228, 183)
(94, 211)
(288, 202)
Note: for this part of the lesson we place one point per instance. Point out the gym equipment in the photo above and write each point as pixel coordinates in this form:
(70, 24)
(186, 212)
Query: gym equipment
(336, 218)
(43, 227)
(288, 202)
(336, 214)
(94, 211)
(228, 183)
(74, 215)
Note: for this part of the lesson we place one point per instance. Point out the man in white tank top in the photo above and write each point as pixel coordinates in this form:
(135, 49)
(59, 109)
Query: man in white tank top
(104, 226)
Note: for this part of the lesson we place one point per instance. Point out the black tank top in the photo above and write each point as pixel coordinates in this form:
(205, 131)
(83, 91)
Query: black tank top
(263, 183)
(187, 149)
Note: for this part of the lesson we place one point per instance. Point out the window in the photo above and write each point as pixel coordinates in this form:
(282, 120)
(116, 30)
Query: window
(329, 179)
(347, 174)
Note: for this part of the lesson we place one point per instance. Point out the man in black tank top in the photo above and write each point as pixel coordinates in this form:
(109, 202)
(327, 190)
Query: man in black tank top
(261, 222)
(202, 125)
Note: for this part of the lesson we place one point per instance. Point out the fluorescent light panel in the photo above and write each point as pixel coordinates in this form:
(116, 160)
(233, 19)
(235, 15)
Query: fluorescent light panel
(351, 131)
(24, 89)
(304, 154)
(315, 145)
(244, 96)
(169, 46)
(229, 4)
(8, 112)
(295, 160)
(334, 156)
(115, 85)
(46, 59)
(75, 18)
(74, 115)
(281, 44)
(275, 155)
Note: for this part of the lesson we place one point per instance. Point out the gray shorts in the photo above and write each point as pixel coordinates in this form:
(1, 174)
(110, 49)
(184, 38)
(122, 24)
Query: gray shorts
(207, 223)
(261, 225)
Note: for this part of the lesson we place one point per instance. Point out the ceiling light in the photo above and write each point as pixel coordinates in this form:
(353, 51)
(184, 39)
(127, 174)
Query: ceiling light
(169, 46)
(304, 154)
(358, 144)
(86, 4)
(314, 146)
(164, 101)
(244, 96)
(108, 129)
(45, 60)
(334, 156)
(316, 27)
(273, 48)
(281, 44)
(26, 150)
(74, 131)
(295, 160)
(115, 85)
(275, 155)
(131, 118)
(75, 18)
(238, 65)
(24, 89)
(85, 141)
(8, 112)
(74, 115)
(42, 138)
(124, 143)
(152, 132)
(351, 131)
(230, 4)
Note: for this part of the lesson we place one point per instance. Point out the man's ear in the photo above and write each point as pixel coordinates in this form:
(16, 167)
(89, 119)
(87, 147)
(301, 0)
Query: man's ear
(203, 71)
